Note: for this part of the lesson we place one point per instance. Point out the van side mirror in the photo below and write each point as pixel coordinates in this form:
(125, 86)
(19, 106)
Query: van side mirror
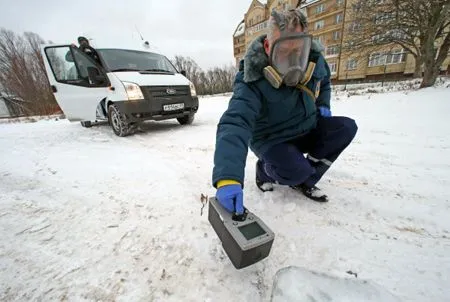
(183, 72)
(95, 77)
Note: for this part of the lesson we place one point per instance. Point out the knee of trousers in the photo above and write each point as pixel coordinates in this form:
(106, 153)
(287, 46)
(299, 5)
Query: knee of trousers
(351, 128)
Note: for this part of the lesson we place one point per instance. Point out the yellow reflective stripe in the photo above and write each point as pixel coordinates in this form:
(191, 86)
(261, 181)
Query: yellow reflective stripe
(226, 182)
(307, 90)
(309, 72)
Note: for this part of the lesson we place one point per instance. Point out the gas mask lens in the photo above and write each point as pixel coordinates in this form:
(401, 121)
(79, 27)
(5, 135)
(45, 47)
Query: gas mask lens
(289, 57)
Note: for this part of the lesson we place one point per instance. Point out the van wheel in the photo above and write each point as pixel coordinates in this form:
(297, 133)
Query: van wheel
(118, 122)
(86, 124)
(187, 119)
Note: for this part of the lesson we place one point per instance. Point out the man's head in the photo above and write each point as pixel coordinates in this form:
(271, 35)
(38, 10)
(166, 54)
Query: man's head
(282, 23)
(287, 46)
(83, 41)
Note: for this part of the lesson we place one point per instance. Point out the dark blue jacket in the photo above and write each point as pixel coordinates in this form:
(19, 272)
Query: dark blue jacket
(260, 116)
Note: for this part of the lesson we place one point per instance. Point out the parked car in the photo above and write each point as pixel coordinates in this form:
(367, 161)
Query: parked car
(127, 87)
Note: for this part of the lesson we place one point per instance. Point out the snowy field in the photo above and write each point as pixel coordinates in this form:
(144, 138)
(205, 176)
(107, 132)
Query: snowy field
(88, 216)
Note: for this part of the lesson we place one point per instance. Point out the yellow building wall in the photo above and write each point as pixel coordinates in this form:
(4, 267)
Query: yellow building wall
(330, 7)
(239, 45)
(256, 12)
(351, 74)
(446, 64)
(390, 68)
(327, 38)
(410, 64)
(278, 4)
(329, 23)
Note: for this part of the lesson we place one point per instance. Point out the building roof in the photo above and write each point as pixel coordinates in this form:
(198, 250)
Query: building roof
(240, 30)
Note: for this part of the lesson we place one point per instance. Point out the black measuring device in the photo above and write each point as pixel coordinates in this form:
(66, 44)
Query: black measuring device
(245, 238)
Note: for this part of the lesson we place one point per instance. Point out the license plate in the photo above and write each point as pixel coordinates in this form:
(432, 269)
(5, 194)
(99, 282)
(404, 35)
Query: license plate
(171, 107)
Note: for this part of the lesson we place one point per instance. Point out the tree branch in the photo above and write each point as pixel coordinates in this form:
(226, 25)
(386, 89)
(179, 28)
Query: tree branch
(443, 51)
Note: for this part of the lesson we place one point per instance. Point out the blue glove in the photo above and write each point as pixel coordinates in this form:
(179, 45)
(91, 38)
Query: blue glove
(324, 111)
(231, 197)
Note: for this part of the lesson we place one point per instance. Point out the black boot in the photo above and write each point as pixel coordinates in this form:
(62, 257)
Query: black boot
(311, 192)
(264, 185)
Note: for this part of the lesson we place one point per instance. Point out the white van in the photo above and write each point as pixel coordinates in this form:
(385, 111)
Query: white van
(126, 87)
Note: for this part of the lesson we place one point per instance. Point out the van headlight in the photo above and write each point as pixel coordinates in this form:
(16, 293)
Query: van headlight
(193, 91)
(133, 90)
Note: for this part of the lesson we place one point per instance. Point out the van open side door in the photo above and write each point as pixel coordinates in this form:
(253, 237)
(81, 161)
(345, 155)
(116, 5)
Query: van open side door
(78, 83)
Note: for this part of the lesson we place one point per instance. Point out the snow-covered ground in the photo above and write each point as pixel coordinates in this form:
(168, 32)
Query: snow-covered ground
(88, 216)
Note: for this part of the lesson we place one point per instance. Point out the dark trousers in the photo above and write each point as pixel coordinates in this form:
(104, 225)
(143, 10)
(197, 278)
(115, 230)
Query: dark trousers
(286, 164)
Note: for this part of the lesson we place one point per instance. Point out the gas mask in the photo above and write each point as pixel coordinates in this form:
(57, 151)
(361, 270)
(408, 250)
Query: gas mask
(289, 60)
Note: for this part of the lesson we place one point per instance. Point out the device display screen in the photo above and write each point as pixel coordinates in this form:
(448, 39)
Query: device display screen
(251, 230)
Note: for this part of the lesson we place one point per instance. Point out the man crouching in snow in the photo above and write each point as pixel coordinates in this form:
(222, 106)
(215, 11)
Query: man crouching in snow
(280, 108)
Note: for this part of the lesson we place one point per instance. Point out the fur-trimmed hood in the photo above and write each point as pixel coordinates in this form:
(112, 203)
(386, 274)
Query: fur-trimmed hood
(256, 59)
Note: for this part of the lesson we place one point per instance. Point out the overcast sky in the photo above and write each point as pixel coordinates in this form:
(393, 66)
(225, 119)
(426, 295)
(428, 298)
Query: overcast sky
(201, 29)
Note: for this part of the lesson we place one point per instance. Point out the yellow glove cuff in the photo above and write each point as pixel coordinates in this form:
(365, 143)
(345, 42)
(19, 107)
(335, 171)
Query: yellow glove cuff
(226, 182)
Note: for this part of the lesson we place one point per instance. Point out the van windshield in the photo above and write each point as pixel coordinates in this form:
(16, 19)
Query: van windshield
(132, 60)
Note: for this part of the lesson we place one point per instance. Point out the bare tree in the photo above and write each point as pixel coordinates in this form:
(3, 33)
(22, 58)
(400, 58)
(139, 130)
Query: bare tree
(22, 72)
(421, 27)
(187, 64)
(214, 80)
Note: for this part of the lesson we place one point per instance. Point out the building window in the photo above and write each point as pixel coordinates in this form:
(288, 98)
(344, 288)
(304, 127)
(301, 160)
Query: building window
(332, 50)
(319, 24)
(354, 27)
(333, 67)
(396, 57)
(377, 59)
(396, 34)
(352, 64)
(382, 58)
(320, 9)
(336, 35)
(339, 18)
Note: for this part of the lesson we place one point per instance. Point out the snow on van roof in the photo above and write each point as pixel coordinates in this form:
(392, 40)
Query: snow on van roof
(138, 45)
(126, 46)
